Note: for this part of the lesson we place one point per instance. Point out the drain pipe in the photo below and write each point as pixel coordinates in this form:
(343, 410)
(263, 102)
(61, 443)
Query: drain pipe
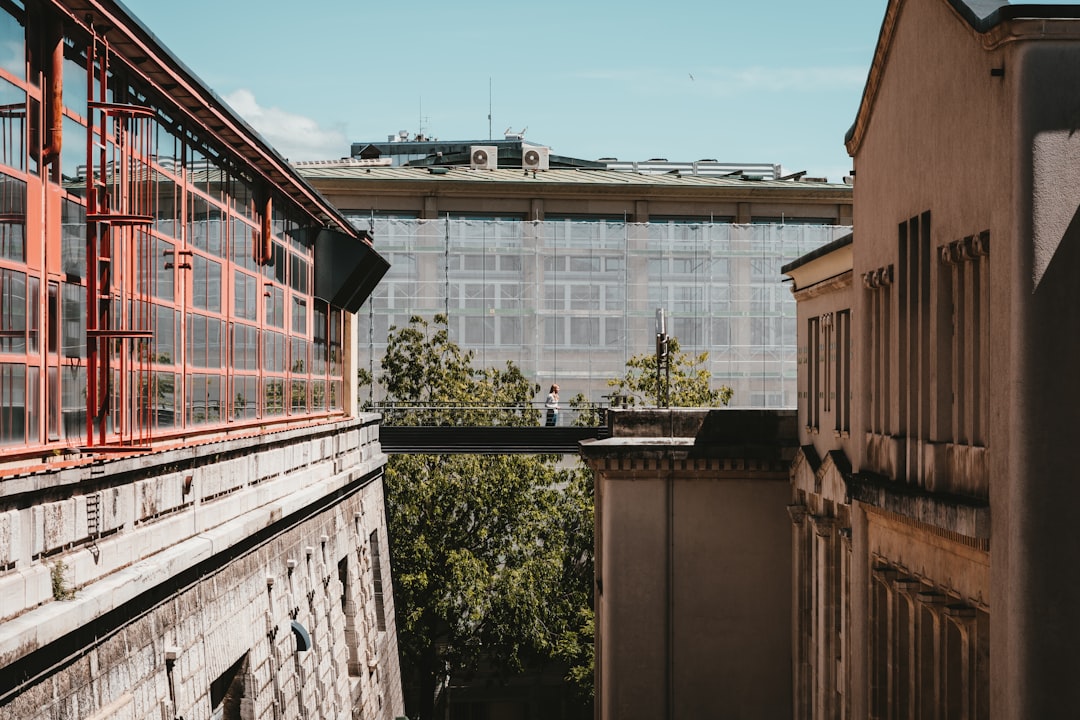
(54, 92)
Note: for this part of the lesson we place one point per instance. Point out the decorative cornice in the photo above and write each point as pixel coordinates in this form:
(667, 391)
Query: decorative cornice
(879, 278)
(968, 248)
(958, 519)
(833, 284)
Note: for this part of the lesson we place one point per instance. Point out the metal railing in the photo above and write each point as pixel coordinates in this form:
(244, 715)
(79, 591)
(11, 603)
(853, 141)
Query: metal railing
(451, 414)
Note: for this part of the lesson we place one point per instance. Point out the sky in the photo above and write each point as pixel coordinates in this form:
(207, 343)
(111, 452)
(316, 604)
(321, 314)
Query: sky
(742, 81)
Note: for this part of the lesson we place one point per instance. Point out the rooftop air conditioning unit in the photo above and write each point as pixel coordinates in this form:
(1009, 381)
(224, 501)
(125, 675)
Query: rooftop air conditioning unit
(484, 157)
(535, 158)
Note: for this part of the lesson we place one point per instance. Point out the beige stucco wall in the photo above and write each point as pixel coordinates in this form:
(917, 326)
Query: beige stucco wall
(693, 574)
(998, 152)
(939, 138)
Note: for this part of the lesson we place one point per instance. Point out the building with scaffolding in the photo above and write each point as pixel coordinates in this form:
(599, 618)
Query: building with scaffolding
(191, 512)
(562, 270)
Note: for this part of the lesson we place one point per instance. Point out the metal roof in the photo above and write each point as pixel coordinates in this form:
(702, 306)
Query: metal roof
(576, 176)
(147, 57)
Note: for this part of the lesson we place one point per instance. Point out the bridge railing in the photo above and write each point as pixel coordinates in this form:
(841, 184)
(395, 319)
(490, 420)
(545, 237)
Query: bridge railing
(531, 414)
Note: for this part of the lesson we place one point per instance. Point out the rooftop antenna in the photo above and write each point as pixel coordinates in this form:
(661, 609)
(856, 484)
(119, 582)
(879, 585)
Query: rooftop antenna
(489, 108)
(422, 118)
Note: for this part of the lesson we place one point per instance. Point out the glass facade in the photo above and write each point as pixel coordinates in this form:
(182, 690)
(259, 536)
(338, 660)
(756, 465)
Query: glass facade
(570, 300)
(199, 321)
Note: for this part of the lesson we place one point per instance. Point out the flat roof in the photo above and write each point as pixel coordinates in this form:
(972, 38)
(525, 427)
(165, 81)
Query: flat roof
(321, 170)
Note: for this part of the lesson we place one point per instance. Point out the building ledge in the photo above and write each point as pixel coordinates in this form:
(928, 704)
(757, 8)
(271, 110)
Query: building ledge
(964, 516)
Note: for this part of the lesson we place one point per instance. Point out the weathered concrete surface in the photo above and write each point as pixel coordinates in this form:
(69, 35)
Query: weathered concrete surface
(198, 559)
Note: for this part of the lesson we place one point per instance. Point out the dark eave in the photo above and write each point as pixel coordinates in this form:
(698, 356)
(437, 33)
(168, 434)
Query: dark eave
(818, 252)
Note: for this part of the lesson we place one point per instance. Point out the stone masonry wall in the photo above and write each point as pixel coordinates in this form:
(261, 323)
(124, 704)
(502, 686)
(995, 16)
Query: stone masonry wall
(229, 547)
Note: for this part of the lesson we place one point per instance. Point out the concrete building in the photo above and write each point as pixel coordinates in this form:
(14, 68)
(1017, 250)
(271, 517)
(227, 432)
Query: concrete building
(191, 509)
(562, 270)
(693, 558)
(932, 499)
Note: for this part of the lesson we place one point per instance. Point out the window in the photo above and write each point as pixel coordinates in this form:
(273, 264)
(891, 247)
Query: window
(13, 311)
(878, 284)
(377, 580)
(914, 353)
(12, 218)
(245, 296)
(205, 284)
(814, 361)
(842, 368)
(348, 609)
(962, 351)
(227, 691)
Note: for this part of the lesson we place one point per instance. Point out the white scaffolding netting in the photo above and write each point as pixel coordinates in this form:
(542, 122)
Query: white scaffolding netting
(569, 301)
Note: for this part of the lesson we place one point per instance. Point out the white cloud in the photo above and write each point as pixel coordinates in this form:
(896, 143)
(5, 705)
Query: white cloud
(294, 136)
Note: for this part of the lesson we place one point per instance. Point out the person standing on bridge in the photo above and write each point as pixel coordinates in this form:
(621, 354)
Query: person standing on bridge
(552, 405)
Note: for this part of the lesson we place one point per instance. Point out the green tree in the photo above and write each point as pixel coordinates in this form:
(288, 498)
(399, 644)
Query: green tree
(492, 553)
(686, 384)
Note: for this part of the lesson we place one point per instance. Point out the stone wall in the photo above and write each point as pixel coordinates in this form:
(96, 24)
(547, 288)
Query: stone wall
(171, 584)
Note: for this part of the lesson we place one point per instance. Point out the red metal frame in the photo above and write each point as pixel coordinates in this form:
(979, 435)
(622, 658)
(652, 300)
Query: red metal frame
(119, 213)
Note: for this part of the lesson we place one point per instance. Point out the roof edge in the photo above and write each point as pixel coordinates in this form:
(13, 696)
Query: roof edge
(989, 15)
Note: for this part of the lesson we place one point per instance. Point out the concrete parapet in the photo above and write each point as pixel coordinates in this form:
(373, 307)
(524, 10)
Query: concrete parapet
(189, 549)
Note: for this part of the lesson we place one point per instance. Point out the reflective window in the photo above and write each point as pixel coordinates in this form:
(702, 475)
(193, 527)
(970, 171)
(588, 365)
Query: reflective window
(33, 324)
(75, 86)
(13, 407)
(73, 158)
(298, 355)
(274, 396)
(163, 261)
(275, 307)
(245, 401)
(318, 395)
(12, 44)
(165, 415)
(204, 341)
(245, 347)
(298, 274)
(12, 311)
(164, 335)
(273, 352)
(245, 296)
(299, 315)
(73, 401)
(205, 226)
(205, 284)
(243, 245)
(276, 268)
(12, 125)
(73, 321)
(298, 397)
(166, 210)
(204, 399)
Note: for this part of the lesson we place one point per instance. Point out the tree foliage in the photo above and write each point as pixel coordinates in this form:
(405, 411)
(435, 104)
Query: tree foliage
(685, 384)
(492, 554)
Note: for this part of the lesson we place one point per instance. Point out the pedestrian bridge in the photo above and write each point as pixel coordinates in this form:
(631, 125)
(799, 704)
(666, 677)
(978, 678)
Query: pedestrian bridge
(443, 429)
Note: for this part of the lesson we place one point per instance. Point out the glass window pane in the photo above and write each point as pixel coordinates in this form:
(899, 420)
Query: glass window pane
(12, 124)
(12, 404)
(12, 45)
